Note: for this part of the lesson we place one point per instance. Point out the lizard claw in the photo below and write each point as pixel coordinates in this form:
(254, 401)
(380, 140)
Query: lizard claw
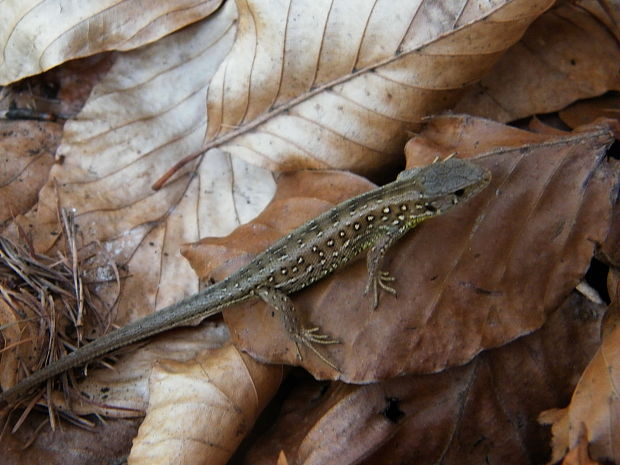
(310, 335)
(384, 277)
(309, 338)
(380, 281)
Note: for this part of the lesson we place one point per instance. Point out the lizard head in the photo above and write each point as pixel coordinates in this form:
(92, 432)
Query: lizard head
(445, 184)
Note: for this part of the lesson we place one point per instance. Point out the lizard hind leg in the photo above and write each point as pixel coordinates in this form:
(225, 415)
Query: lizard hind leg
(298, 333)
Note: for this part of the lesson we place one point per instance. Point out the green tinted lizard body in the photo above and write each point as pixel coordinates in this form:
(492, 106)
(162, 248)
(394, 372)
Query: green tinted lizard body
(372, 221)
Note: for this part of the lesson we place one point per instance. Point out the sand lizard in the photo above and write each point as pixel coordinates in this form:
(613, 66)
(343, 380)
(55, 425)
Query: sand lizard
(372, 221)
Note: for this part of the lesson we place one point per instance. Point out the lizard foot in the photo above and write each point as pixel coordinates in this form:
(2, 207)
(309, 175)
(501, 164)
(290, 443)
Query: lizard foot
(309, 337)
(377, 282)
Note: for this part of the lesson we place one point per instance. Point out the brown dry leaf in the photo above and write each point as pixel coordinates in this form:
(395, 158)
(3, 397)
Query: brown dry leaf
(595, 403)
(579, 454)
(476, 278)
(12, 337)
(106, 443)
(567, 54)
(484, 412)
(38, 35)
(337, 84)
(539, 126)
(56, 95)
(216, 399)
(586, 111)
(26, 156)
(611, 247)
(466, 136)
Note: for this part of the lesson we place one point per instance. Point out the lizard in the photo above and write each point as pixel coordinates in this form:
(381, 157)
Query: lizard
(372, 221)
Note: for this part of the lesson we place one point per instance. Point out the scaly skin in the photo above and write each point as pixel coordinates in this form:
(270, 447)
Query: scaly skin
(371, 221)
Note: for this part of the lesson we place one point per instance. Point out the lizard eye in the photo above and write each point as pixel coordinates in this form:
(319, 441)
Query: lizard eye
(460, 193)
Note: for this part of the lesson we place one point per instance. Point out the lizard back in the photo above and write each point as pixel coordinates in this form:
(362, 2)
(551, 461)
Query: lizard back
(332, 239)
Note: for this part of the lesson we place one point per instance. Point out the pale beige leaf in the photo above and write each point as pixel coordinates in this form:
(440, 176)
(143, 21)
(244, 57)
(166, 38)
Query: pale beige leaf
(149, 108)
(37, 35)
(123, 391)
(199, 411)
(339, 83)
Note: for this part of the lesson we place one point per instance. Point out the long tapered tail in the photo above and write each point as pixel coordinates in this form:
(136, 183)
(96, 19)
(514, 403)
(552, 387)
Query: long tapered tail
(204, 304)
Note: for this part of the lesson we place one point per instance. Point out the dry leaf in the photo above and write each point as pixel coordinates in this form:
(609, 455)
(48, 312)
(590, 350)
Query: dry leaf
(482, 413)
(595, 403)
(337, 84)
(579, 454)
(606, 11)
(148, 113)
(56, 95)
(215, 400)
(466, 136)
(130, 128)
(475, 278)
(26, 156)
(539, 126)
(123, 391)
(104, 444)
(566, 54)
(38, 35)
(610, 249)
(586, 111)
(12, 336)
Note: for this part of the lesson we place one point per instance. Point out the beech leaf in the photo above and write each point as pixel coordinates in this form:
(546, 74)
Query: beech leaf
(130, 132)
(38, 35)
(123, 392)
(215, 399)
(338, 84)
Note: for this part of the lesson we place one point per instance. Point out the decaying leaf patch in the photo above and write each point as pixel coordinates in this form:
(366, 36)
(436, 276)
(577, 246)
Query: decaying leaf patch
(483, 412)
(476, 278)
(130, 132)
(586, 111)
(26, 156)
(579, 454)
(291, 94)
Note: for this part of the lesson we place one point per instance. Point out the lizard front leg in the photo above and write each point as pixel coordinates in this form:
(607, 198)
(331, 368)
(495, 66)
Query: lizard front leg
(374, 261)
(299, 333)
